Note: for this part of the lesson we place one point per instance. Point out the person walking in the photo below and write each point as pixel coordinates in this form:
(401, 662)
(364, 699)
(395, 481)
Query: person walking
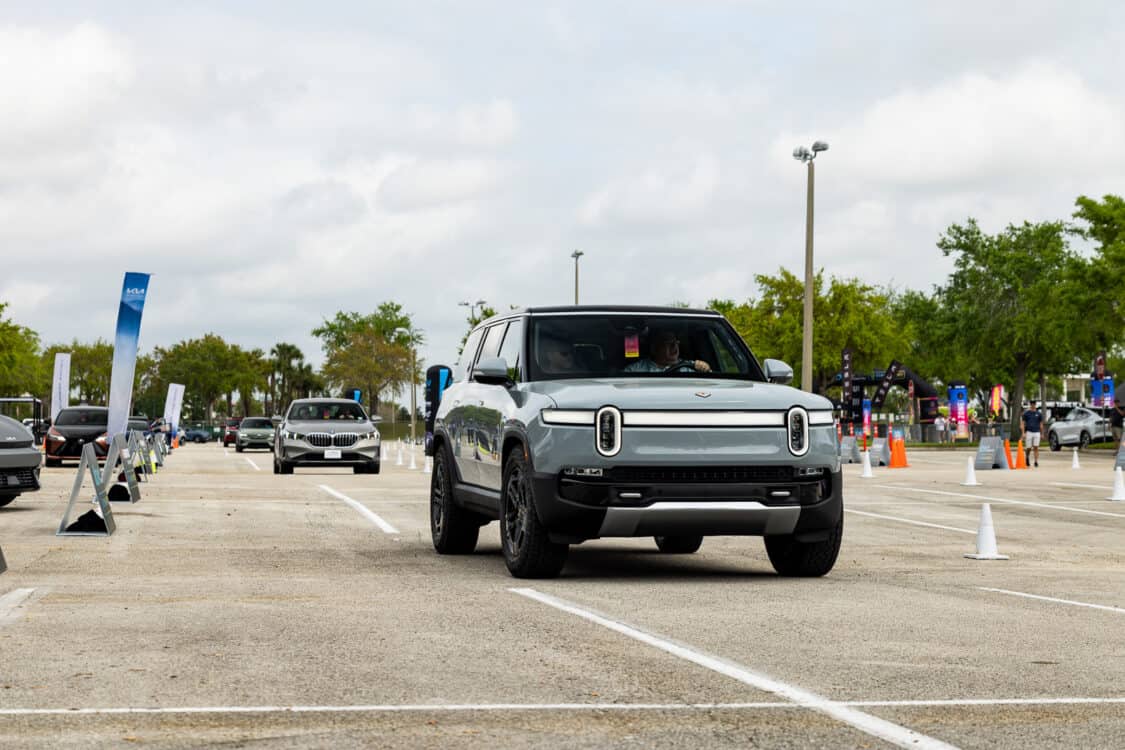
(1116, 422)
(1031, 422)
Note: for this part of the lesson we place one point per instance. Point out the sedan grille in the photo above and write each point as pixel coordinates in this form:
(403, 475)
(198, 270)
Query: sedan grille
(328, 440)
(23, 479)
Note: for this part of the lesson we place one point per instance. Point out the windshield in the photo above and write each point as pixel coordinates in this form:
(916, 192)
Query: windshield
(630, 345)
(256, 423)
(91, 417)
(308, 412)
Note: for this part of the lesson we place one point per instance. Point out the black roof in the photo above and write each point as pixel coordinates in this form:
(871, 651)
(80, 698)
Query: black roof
(632, 309)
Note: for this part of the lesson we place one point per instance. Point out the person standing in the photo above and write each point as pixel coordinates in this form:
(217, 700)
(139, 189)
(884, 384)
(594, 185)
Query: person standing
(1116, 421)
(939, 426)
(1032, 424)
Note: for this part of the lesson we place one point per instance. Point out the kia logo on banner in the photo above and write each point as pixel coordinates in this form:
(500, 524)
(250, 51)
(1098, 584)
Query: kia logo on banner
(133, 293)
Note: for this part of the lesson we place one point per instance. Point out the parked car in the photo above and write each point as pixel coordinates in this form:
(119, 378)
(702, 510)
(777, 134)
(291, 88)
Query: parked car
(562, 424)
(230, 431)
(326, 432)
(196, 435)
(19, 460)
(1080, 427)
(255, 432)
(73, 428)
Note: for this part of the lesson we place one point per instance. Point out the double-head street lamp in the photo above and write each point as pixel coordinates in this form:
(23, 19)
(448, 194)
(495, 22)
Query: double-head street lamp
(805, 155)
(413, 368)
(473, 307)
(576, 255)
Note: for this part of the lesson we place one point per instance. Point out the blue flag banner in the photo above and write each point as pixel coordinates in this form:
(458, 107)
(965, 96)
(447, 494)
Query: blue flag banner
(125, 351)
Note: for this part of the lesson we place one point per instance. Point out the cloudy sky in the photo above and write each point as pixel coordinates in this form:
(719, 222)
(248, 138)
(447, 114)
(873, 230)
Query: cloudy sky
(271, 163)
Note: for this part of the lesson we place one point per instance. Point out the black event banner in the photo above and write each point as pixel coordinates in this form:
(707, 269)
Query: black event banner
(885, 384)
(847, 398)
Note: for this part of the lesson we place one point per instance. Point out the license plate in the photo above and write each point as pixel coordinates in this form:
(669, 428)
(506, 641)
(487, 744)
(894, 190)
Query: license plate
(331, 454)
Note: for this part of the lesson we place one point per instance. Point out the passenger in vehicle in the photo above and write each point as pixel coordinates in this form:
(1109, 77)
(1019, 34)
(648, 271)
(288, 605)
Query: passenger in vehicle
(664, 354)
(556, 356)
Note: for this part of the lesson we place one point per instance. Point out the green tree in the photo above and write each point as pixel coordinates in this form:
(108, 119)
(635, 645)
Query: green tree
(848, 313)
(1103, 223)
(1016, 299)
(371, 352)
(20, 364)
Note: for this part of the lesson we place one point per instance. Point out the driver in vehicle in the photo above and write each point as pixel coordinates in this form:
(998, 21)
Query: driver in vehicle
(664, 355)
(558, 356)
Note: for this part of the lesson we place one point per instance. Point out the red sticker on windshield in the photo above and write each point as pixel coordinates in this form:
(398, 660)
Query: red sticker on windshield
(632, 345)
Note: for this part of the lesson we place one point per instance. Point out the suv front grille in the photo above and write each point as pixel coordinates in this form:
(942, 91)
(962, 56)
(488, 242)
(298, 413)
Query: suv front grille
(344, 439)
(18, 479)
(704, 474)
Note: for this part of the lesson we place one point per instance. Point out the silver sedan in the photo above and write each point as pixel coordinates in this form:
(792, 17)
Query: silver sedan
(1079, 427)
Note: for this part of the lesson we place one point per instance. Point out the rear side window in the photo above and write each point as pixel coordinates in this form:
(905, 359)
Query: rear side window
(492, 339)
(510, 349)
(460, 372)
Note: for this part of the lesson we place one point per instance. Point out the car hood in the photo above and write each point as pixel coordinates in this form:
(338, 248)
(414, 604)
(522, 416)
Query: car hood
(328, 425)
(13, 434)
(675, 393)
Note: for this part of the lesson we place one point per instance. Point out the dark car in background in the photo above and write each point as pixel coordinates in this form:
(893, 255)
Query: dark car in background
(230, 431)
(73, 428)
(196, 435)
(19, 460)
(254, 432)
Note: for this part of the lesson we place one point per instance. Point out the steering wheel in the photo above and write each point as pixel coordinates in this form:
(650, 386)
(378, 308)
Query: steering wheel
(686, 366)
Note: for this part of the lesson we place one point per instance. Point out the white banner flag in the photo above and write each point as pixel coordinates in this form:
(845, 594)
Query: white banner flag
(60, 385)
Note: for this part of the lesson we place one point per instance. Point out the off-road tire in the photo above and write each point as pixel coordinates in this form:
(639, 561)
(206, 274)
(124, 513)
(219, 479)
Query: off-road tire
(528, 550)
(678, 545)
(453, 529)
(804, 559)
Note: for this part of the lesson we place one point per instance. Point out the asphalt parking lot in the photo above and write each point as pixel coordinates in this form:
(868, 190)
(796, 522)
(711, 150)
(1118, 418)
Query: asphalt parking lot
(234, 606)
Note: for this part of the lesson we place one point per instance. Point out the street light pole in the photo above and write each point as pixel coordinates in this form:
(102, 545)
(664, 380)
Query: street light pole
(576, 255)
(807, 156)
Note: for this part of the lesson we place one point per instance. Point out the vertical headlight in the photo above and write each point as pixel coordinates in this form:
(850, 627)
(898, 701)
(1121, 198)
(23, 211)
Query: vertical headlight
(797, 430)
(607, 431)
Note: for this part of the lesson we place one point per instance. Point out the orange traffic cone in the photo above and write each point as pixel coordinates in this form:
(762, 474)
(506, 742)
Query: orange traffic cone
(1021, 462)
(1008, 452)
(898, 454)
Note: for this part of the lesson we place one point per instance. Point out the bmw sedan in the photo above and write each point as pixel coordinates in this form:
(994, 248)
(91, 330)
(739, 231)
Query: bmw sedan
(326, 432)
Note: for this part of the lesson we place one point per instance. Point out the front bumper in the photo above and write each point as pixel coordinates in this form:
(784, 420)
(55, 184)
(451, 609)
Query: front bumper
(575, 511)
(255, 441)
(300, 453)
(19, 470)
(71, 448)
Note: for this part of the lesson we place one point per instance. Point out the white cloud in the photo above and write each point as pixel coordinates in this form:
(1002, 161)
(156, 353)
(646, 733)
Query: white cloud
(668, 193)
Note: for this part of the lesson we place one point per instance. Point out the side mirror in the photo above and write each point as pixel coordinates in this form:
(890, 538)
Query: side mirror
(492, 371)
(374, 419)
(277, 419)
(778, 372)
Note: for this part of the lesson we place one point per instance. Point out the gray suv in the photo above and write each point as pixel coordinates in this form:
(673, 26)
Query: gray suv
(575, 423)
(326, 432)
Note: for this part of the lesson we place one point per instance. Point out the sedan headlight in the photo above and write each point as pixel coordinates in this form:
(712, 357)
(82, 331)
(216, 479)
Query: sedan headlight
(289, 435)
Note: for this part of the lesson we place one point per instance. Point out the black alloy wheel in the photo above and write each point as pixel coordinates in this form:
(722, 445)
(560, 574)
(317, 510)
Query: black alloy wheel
(1084, 440)
(1053, 441)
(527, 546)
(453, 529)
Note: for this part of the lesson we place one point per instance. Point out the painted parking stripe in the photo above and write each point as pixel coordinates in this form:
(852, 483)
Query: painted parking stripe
(373, 518)
(247, 460)
(1103, 487)
(11, 602)
(1008, 501)
(907, 520)
(599, 707)
(1071, 602)
(873, 725)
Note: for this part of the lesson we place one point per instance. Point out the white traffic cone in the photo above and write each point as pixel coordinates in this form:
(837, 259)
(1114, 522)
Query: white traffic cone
(1118, 486)
(866, 466)
(986, 538)
(399, 461)
(427, 466)
(413, 463)
(1074, 461)
(971, 475)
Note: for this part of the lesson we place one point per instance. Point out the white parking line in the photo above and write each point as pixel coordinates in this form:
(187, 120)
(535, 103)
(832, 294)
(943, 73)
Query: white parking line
(600, 707)
(247, 460)
(11, 602)
(383, 525)
(873, 725)
(907, 520)
(1119, 610)
(1084, 486)
(999, 500)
